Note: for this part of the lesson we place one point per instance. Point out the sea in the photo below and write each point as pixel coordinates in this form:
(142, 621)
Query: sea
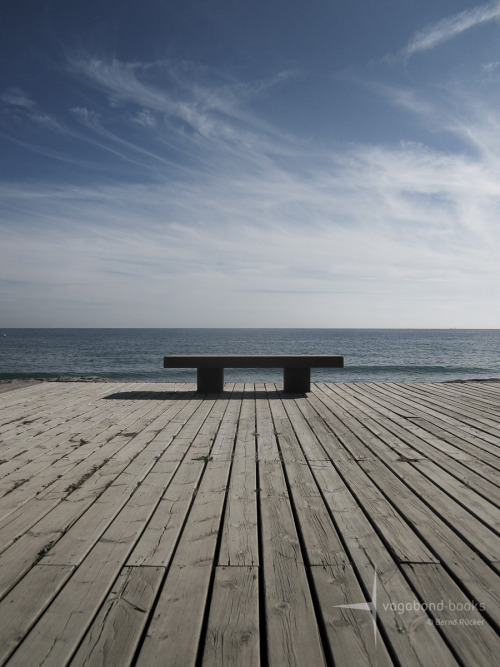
(370, 355)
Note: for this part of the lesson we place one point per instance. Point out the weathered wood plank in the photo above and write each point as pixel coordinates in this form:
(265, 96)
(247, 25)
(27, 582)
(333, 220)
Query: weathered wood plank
(223, 446)
(310, 445)
(57, 420)
(459, 399)
(487, 429)
(176, 625)
(51, 642)
(213, 510)
(315, 527)
(239, 540)
(362, 497)
(114, 636)
(461, 559)
(105, 494)
(21, 608)
(232, 637)
(267, 447)
(484, 539)
(96, 436)
(41, 401)
(352, 633)
(26, 445)
(396, 431)
(145, 459)
(469, 634)
(292, 627)
(175, 628)
(452, 441)
(157, 543)
(411, 637)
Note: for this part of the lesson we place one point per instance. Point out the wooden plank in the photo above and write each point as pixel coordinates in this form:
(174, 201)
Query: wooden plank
(175, 627)
(395, 430)
(419, 444)
(467, 566)
(177, 441)
(232, 637)
(292, 628)
(202, 445)
(44, 437)
(485, 510)
(363, 498)
(314, 524)
(56, 420)
(93, 578)
(449, 509)
(147, 459)
(52, 517)
(51, 642)
(223, 446)
(467, 631)
(309, 443)
(286, 440)
(49, 465)
(161, 534)
(82, 427)
(267, 447)
(158, 541)
(463, 442)
(40, 402)
(447, 431)
(459, 399)
(487, 429)
(323, 532)
(239, 540)
(21, 608)
(352, 636)
(450, 440)
(114, 636)
(411, 637)
(199, 537)
(116, 486)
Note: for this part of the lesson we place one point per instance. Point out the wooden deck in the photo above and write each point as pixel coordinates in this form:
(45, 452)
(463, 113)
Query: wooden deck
(146, 524)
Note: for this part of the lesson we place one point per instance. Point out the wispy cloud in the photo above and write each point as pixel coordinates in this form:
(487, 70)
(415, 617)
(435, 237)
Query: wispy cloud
(355, 229)
(18, 98)
(185, 99)
(145, 118)
(219, 227)
(491, 66)
(19, 104)
(435, 34)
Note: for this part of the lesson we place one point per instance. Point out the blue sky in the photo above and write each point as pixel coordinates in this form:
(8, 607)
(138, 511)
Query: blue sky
(334, 163)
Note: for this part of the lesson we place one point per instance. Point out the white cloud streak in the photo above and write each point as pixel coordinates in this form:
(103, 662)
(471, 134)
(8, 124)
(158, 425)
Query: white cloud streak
(434, 35)
(209, 110)
(237, 236)
(376, 227)
(17, 98)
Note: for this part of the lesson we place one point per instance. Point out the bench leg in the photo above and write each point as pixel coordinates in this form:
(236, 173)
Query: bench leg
(296, 380)
(210, 380)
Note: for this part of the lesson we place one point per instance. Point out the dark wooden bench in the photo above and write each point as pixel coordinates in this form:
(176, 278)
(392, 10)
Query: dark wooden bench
(296, 367)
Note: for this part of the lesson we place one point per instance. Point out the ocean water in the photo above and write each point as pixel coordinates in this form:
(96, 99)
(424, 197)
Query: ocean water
(370, 355)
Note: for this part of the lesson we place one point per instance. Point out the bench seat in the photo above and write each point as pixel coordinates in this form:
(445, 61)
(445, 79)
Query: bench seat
(296, 367)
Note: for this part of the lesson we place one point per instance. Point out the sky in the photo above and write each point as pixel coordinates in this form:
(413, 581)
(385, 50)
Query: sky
(250, 163)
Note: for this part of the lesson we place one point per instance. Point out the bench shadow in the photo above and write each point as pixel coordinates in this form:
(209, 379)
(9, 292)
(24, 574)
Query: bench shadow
(190, 395)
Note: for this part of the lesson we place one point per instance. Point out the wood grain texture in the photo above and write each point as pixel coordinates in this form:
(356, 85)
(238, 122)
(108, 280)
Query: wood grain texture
(147, 524)
(232, 638)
